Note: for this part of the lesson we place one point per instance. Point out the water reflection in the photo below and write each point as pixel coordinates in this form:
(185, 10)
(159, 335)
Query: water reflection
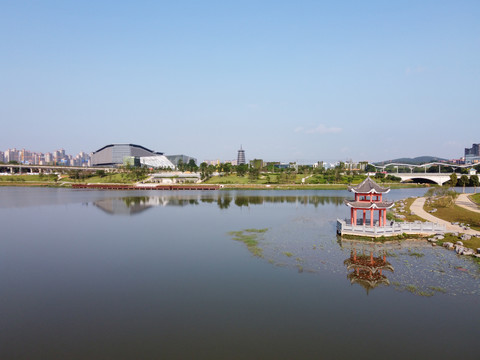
(131, 205)
(367, 269)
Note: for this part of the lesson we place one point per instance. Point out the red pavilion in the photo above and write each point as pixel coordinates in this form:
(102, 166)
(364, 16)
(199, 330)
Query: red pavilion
(369, 197)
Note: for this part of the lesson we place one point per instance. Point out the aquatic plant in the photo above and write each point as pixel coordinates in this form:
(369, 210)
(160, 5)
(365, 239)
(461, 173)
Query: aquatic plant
(438, 289)
(250, 238)
(259, 231)
(416, 254)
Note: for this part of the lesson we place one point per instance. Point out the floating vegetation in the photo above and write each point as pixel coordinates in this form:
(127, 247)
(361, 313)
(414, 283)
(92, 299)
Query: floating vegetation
(258, 231)
(250, 238)
(413, 289)
(287, 254)
(416, 254)
(438, 289)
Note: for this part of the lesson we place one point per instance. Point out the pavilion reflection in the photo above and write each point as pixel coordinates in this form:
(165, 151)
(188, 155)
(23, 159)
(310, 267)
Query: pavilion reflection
(367, 265)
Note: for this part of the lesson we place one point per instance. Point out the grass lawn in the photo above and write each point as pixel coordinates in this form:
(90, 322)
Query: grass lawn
(234, 179)
(456, 213)
(110, 178)
(284, 187)
(409, 218)
(294, 181)
(27, 178)
(475, 198)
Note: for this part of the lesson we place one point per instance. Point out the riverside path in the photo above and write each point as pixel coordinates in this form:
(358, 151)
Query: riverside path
(417, 209)
(464, 201)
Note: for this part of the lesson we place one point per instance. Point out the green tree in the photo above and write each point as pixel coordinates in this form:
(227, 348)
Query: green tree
(474, 181)
(192, 166)
(337, 174)
(463, 181)
(227, 168)
(253, 173)
(242, 169)
(181, 165)
(203, 170)
(453, 180)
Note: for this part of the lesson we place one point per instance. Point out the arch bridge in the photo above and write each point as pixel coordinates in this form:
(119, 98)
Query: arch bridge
(439, 178)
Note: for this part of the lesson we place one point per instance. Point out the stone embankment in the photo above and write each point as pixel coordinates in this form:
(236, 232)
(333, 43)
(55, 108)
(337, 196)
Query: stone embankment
(460, 249)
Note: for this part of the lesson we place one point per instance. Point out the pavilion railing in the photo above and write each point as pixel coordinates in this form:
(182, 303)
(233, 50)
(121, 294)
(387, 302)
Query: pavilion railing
(345, 227)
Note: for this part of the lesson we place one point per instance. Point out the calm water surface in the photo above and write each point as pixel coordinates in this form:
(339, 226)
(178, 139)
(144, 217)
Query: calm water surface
(133, 275)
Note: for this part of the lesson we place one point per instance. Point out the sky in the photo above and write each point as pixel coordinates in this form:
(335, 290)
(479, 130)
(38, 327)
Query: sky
(286, 80)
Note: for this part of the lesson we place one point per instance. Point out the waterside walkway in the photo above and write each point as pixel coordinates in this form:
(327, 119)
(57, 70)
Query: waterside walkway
(464, 201)
(417, 209)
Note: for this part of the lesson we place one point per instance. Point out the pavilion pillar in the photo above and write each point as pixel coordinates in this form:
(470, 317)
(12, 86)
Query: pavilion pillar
(371, 217)
(351, 216)
(354, 216)
(384, 217)
(364, 216)
(380, 217)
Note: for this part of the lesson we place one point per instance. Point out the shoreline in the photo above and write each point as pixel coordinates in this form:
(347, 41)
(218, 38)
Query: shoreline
(221, 186)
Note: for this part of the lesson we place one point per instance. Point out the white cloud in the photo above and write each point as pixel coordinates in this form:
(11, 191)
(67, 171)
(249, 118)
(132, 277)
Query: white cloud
(298, 129)
(322, 129)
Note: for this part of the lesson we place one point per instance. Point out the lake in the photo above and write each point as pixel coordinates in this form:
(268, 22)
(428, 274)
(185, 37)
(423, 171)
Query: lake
(88, 274)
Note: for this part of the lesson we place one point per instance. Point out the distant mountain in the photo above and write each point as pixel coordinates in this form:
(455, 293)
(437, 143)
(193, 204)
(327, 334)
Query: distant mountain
(414, 161)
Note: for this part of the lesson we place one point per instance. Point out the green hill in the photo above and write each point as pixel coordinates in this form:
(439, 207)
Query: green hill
(414, 161)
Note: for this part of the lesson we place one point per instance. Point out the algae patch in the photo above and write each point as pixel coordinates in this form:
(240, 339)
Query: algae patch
(250, 238)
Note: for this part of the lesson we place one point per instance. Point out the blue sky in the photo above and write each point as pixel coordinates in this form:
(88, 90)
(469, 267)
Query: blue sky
(289, 80)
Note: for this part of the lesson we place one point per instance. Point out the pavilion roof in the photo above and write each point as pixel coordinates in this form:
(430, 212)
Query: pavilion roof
(369, 205)
(368, 186)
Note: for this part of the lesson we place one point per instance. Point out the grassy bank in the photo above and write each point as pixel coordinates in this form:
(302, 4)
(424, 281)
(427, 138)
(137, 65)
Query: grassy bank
(283, 179)
(284, 187)
(475, 198)
(114, 178)
(456, 213)
(406, 212)
(27, 178)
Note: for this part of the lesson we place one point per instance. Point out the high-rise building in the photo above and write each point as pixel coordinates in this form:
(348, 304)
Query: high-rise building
(12, 155)
(241, 156)
(472, 155)
(48, 158)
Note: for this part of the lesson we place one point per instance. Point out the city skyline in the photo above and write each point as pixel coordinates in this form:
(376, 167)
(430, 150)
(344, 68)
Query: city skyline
(298, 82)
(60, 156)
